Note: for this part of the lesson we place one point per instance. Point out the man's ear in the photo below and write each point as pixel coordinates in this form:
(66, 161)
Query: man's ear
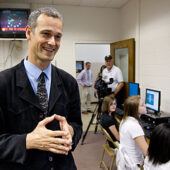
(28, 32)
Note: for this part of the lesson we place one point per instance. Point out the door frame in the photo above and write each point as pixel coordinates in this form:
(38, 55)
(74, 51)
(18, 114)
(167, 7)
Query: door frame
(130, 44)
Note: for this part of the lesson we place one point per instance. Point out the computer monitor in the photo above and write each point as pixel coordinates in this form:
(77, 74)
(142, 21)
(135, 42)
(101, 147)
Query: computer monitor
(13, 22)
(79, 66)
(134, 89)
(153, 100)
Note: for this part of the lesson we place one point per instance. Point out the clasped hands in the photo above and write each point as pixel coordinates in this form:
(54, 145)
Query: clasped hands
(58, 141)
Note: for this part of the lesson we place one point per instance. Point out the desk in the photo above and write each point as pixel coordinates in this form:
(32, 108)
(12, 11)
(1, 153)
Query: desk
(155, 120)
(148, 121)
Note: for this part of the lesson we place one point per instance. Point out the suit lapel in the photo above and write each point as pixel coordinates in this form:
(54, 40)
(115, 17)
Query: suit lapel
(26, 92)
(56, 89)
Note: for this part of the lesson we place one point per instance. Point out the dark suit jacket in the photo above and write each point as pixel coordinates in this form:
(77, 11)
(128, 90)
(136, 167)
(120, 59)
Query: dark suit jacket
(20, 113)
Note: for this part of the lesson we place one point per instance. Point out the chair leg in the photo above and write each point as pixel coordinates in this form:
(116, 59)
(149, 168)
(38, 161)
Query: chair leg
(111, 165)
(101, 159)
(105, 166)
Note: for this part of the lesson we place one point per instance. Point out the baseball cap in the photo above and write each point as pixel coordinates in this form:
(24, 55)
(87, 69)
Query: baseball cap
(108, 57)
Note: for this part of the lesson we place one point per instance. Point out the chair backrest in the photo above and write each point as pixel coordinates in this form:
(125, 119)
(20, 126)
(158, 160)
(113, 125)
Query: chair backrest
(108, 137)
(117, 119)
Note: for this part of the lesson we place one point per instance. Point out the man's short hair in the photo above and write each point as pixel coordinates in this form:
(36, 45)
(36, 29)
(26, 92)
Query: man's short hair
(49, 11)
(87, 63)
(108, 57)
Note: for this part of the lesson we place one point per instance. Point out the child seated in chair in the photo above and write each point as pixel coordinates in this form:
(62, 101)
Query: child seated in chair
(107, 119)
(133, 145)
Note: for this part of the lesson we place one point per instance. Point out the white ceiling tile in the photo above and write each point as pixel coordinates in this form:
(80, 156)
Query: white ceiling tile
(40, 1)
(92, 3)
(3, 1)
(67, 2)
(13, 1)
(116, 3)
(95, 3)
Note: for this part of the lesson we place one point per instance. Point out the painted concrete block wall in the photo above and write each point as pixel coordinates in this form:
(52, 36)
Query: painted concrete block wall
(155, 51)
(150, 25)
(81, 24)
(12, 52)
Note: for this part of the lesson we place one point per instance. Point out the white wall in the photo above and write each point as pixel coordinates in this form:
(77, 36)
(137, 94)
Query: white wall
(92, 52)
(149, 23)
(12, 52)
(129, 28)
(81, 24)
(88, 25)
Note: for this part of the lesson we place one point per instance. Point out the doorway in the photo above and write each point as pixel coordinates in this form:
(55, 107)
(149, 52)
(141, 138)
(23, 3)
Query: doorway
(123, 53)
(93, 53)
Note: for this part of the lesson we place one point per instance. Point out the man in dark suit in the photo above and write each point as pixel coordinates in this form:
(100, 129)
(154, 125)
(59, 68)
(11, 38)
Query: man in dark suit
(34, 136)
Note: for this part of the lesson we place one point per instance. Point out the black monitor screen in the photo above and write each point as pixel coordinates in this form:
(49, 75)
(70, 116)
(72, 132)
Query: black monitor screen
(79, 66)
(133, 89)
(13, 23)
(153, 100)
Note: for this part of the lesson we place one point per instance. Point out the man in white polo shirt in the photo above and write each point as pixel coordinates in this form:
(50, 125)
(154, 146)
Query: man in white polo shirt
(112, 74)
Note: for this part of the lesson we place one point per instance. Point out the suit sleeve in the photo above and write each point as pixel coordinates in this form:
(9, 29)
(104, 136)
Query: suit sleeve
(74, 115)
(12, 146)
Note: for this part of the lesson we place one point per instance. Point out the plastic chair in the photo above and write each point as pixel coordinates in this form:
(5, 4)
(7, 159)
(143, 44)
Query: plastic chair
(109, 150)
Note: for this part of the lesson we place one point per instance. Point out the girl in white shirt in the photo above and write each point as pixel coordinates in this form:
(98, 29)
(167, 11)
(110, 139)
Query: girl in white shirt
(159, 149)
(133, 145)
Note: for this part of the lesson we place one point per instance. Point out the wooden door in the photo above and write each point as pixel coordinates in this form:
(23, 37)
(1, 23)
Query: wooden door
(128, 70)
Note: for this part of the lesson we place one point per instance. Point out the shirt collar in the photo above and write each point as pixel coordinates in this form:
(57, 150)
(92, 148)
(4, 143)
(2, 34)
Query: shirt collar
(34, 71)
(132, 118)
(110, 69)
